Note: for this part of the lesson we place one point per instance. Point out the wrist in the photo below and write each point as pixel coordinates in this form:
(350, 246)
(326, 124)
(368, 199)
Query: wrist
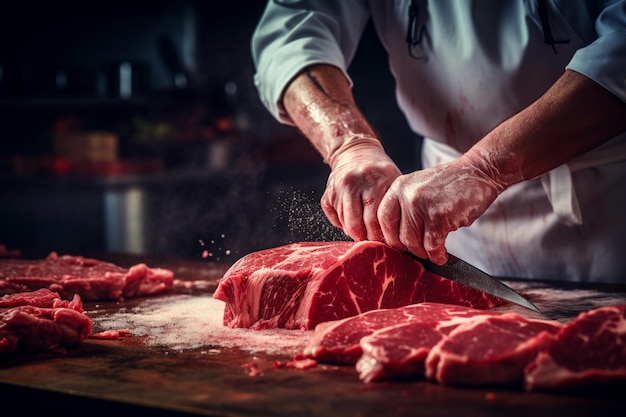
(489, 166)
(354, 142)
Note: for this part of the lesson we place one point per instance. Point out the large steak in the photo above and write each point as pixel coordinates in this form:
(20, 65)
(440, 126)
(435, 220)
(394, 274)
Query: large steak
(300, 285)
(92, 279)
(41, 321)
(589, 350)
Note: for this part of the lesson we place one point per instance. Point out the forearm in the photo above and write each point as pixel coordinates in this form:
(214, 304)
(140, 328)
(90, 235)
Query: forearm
(574, 116)
(320, 103)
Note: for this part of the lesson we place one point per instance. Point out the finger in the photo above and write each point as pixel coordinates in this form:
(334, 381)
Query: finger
(353, 222)
(389, 218)
(439, 255)
(434, 244)
(370, 218)
(411, 234)
(329, 210)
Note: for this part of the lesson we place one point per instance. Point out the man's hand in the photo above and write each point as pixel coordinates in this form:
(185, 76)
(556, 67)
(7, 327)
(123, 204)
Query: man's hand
(421, 208)
(319, 101)
(361, 174)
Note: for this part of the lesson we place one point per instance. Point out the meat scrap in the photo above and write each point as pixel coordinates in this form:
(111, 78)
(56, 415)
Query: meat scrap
(296, 363)
(40, 321)
(589, 350)
(92, 279)
(301, 285)
(5, 252)
(110, 334)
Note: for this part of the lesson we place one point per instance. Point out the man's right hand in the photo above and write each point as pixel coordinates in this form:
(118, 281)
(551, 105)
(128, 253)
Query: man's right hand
(319, 102)
(361, 175)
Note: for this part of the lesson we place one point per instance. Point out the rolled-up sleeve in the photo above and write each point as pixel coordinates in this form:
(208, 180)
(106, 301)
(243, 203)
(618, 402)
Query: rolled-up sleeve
(293, 34)
(604, 60)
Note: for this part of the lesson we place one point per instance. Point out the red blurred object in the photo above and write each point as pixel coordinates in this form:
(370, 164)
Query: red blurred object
(57, 165)
(66, 124)
(113, 168)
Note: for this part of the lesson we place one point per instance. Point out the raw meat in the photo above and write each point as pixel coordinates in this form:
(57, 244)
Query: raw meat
(489, 350)
(589, 350)
(300, 285)
(92, 279)
(41, 321)
(397, 352)
(399, 348)
(340, 341)
(463, 345)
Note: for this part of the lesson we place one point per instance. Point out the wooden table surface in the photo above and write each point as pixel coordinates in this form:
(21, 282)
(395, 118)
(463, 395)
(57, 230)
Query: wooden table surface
(131, 376)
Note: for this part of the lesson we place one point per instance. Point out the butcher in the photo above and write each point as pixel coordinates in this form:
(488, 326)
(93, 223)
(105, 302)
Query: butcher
(521, 105)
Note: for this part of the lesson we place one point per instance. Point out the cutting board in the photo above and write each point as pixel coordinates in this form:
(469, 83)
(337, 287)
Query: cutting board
(165, 372)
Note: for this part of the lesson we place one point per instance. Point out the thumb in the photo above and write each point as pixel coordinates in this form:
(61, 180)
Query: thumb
(434, 244)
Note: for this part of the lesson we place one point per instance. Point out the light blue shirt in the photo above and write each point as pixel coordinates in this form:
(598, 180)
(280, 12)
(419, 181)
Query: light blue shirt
(484, 60)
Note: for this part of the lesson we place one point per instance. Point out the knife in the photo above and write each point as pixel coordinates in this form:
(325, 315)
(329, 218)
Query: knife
(460, 271)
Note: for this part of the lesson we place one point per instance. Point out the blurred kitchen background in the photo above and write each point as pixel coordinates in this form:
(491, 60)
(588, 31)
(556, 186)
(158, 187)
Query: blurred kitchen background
(134, 127)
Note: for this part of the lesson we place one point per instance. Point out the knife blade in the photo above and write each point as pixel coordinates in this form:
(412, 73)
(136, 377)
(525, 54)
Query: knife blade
(464, 273)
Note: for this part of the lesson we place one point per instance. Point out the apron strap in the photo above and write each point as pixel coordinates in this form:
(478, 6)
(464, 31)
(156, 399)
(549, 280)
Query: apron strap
(562, 195)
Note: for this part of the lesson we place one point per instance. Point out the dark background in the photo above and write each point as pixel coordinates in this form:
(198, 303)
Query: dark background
(200, 165)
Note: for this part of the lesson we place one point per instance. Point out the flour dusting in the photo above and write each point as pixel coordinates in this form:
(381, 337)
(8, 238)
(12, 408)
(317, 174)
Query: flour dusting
(183, 322)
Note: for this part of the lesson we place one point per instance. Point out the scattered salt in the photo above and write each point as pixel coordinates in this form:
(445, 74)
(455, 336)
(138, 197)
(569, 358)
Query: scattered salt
(304, 217)
(181, 322)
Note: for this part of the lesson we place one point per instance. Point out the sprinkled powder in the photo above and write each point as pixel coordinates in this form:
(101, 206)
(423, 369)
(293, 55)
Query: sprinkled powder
(183, 322)
(305, 219)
